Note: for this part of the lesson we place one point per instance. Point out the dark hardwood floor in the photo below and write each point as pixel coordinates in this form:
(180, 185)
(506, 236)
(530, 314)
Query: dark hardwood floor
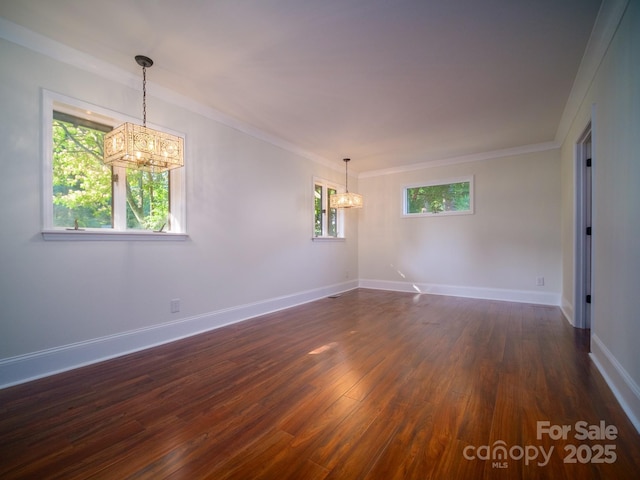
(370, 385)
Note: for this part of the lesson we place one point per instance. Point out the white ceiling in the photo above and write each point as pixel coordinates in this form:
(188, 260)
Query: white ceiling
(386, 82)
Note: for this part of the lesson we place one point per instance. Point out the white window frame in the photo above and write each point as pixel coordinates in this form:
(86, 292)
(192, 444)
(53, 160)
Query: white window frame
(54, 101)
(326, 184)
(430, 183)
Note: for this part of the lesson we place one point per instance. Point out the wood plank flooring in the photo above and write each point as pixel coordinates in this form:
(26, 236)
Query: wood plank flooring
(370, 385)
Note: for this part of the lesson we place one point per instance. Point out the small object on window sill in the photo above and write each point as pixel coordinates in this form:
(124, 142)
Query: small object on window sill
(161, 229)
(75, 226)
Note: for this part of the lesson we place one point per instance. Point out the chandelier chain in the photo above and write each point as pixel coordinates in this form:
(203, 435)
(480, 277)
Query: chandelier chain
(144, 96)
(346, 174)
(346, 177)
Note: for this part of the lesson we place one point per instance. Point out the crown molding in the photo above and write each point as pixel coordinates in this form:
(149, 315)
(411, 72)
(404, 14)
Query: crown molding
(475, 157)
(604, 28)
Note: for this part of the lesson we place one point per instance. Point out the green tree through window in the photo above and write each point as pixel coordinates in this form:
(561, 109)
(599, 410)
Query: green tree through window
(147, 199)
(438, 198)
(327, 220)
(83, 187)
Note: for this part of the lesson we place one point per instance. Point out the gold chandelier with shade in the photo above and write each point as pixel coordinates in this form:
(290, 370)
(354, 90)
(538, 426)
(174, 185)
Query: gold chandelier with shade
(346, 199)
(139, 147)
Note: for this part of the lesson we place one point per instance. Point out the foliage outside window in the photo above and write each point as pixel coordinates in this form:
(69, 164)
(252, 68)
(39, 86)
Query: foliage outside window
(82, 190)
(83, 187)
(147, 200)
(453, 197)
(327, 221)
(82, 193)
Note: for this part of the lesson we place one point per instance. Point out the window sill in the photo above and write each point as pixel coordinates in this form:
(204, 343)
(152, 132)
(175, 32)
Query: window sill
(328, 239)
(440, 214)
(98, 235)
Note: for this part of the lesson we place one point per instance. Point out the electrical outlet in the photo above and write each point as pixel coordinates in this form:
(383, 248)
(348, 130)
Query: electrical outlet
(175, 305)
(540, 281)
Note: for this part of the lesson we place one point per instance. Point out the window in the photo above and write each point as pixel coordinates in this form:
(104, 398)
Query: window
(82, 188)
(450, 197)
(84, 195)
(327, 221)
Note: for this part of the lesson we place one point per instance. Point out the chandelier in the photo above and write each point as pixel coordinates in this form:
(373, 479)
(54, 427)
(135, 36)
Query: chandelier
(346, 199)
(139, 147)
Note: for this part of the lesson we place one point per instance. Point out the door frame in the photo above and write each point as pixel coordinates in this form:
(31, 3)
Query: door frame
(583, 218)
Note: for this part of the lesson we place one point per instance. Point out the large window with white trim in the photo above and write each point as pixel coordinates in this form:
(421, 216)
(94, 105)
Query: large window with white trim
(83, 194)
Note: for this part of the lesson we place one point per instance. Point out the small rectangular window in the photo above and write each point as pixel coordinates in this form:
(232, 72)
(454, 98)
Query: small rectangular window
(450, 197)
(327, 220)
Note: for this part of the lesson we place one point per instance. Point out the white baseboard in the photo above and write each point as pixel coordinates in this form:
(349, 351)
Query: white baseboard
(23, 368)
(626, 391)
(567, 309)
(521, 296)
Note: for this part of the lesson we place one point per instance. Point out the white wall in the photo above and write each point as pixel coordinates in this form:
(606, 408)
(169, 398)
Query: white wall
(249, 220)
(614, 99)
(498, 252)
